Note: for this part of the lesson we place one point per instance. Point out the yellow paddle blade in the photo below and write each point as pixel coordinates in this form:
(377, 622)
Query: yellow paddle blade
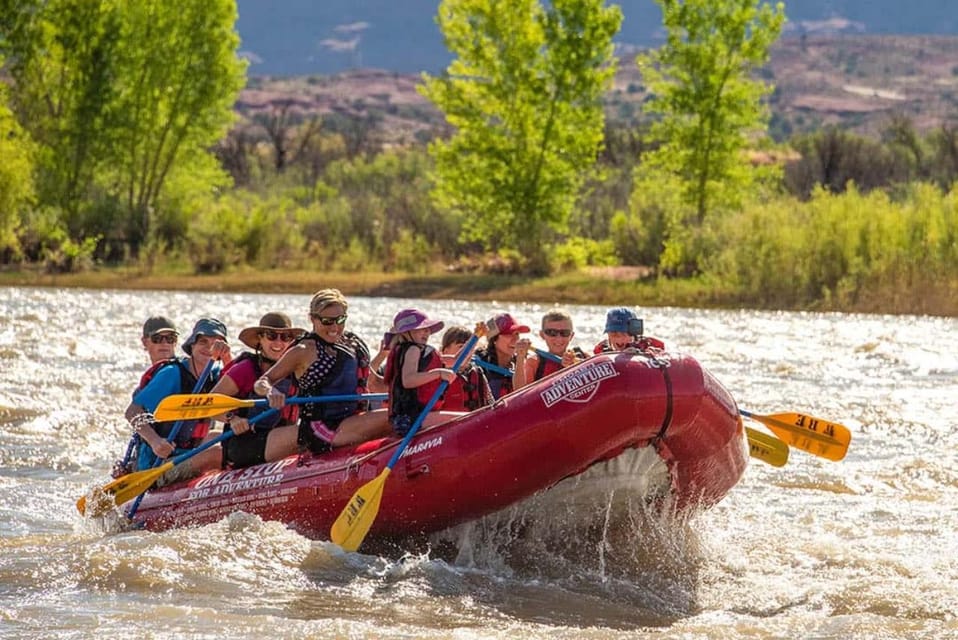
(766, 448)
(353, 523)
(121, 490)
(194, 406)
(819, 437)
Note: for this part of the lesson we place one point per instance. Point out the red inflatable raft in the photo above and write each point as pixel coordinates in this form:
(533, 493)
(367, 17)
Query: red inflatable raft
(606, 407)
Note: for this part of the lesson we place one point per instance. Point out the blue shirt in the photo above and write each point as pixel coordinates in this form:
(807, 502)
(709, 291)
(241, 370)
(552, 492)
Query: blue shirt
(165, 382)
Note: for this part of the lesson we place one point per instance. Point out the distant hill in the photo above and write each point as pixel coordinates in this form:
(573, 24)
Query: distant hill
(856, 81)
(320, 37)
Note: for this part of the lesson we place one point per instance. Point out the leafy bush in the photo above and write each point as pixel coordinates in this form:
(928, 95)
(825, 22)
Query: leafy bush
(411, 253)
(577, 252)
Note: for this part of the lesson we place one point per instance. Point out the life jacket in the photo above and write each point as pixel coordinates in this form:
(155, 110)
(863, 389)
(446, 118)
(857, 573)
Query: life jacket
(191, 432)
(547, 365)
(349, 375)
(468, 392)
(499, 384)
(287, 415)
(149, 373)
(644, 344)
(411, 402)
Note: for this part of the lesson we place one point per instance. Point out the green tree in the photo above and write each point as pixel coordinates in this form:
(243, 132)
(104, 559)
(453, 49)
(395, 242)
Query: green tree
(16, 185)
(61, 56)
(524, 99)
(119, 95)
(184, 76)
(706, 104)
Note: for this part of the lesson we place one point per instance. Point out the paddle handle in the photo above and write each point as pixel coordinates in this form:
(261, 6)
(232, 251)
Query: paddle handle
(548, 356)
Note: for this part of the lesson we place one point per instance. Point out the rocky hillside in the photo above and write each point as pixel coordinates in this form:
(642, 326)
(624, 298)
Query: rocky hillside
(856, 81)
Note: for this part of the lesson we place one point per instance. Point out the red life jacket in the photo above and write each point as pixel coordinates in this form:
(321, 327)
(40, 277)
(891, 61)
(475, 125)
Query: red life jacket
(411, 402)
(188, 437)
(468, 391)
(643, 344)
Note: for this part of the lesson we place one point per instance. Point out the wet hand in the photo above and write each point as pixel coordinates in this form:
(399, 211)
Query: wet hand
(446, 374)
(221, 351)
(239, 425)
(522, 347)
(276, 398)
(161, 447)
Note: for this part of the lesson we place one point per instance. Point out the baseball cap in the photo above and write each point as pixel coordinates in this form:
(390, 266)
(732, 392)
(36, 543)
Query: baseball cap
(158, 324)
(505, 324)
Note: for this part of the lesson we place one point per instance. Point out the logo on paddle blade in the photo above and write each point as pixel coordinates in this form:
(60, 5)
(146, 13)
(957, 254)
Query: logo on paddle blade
(580, 385)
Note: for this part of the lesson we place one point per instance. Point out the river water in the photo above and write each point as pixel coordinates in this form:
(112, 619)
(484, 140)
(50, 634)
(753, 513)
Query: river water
(862, 548)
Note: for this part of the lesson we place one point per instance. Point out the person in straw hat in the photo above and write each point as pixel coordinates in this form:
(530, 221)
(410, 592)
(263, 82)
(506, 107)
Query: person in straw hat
(273, 438)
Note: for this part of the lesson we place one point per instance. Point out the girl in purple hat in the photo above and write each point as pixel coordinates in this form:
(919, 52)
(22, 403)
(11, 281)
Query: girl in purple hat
(414, 369)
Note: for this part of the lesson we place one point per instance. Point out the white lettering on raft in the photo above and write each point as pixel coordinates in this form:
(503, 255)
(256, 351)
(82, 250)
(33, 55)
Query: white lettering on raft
(422, 446)
(579, 385)
(262, 475)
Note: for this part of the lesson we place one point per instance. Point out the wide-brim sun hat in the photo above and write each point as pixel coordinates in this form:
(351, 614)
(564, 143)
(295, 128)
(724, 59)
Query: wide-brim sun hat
(273, 320)
(504, 324)
(204, 327)
(412, 320)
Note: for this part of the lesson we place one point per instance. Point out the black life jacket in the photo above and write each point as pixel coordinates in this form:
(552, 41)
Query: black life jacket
(348, 376)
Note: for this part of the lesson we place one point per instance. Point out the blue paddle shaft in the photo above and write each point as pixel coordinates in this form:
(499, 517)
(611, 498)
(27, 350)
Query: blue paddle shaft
(226, 435)
(548, 356)
(262, 402)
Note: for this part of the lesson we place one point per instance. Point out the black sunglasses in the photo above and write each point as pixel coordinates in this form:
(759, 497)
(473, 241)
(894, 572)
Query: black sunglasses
(160, 338)
(329, 321)
(552, 333)
(285, 336)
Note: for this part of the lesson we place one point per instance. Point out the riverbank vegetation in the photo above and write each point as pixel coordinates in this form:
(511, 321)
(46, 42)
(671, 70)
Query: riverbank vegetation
(116, 173)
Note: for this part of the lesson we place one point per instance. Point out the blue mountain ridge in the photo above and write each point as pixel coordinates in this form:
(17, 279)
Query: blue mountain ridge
(320, 37)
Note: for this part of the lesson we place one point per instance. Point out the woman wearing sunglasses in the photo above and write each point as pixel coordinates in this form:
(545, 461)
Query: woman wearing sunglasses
(270, 441)
(502, 334)
(329, 360)
(557, 332)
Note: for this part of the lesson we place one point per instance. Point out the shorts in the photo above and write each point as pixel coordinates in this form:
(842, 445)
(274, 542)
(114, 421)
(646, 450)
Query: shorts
(306, 438)
(401, 424)
(245, 450)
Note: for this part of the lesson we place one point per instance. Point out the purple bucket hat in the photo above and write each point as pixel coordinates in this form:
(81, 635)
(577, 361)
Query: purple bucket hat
(413, 319)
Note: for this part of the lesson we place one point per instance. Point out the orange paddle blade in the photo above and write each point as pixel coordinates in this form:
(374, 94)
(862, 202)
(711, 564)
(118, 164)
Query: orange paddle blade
(819, 437)
(194, 406)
